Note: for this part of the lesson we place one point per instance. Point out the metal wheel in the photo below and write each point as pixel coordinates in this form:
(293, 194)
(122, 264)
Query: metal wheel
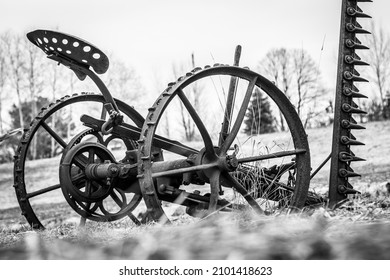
(98, 200)
(36, 182)
(238, 169)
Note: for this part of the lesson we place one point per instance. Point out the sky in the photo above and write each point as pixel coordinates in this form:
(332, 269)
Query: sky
(151, 36)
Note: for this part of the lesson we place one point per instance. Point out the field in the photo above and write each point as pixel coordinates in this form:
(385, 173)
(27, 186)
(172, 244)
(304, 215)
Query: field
(360, 229)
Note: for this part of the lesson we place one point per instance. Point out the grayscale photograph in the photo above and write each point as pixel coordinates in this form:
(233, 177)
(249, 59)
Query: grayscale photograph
(195, 130)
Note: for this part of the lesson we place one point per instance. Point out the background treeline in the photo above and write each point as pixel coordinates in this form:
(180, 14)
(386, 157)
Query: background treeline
(29, 81)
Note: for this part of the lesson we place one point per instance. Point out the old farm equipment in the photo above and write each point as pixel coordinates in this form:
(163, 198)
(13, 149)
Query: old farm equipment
(217, 174)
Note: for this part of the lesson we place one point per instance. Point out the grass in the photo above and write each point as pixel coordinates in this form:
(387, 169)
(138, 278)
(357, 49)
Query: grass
(322, 235)
(360, 229)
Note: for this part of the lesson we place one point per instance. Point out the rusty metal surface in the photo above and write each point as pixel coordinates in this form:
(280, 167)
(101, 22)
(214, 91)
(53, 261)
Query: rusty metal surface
(345, 107)
(23, 189)
(210, 158)
(159, 180)
(72, 48)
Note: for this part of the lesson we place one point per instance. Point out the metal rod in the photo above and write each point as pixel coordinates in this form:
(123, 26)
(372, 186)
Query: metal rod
(241, 114)
(134, 132)
(230, 99)
(271, 156)
(42, 191)
(320, 167)
(184, 170)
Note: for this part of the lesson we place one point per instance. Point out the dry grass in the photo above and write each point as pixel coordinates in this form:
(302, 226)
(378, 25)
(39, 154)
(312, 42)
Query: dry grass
(358, 230)
(343, 234)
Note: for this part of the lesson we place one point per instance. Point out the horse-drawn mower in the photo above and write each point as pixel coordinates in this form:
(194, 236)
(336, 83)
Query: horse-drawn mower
(217, 174)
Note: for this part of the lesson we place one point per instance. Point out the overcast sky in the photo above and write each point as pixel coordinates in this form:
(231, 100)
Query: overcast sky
(151, 35)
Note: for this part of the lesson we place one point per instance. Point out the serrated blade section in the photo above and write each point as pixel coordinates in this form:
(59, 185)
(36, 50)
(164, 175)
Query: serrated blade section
(345, 107)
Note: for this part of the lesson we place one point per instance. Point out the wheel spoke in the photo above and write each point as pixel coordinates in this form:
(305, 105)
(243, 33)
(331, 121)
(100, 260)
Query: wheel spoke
(240, 117)
(232, 182)
(117, 200)
(91, 156)
(271, 156)
(42, 191)
(88, 188)
(54, 134)
(195, 117)
(123, 204)
(77, 178)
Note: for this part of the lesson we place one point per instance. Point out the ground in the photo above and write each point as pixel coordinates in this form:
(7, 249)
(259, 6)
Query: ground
(358, 230)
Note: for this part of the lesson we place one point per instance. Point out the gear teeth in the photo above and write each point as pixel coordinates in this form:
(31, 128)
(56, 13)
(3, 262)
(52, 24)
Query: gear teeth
(352, 110)
(355, 60)
(353, 76)
(346, 157)
(358, 13)
(353, 92)
(350, 125)
(347, 173)
(196, 69)
(345, 140)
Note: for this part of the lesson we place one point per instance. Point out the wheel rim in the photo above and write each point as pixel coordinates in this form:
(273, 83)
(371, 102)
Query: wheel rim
(32, 198)
(177, 90)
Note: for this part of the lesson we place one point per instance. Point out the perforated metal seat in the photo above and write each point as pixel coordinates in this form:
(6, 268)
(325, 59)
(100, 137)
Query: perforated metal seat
(72, 48)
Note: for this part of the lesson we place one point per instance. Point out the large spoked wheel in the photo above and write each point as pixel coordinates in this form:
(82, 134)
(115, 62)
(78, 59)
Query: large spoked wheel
(36, 177)
(239, 169)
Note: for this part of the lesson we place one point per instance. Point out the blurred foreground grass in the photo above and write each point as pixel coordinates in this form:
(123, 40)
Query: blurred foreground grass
(359, 230)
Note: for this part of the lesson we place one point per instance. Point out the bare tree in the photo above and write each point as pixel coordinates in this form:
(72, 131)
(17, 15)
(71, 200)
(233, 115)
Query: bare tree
(72, 79)
(306, 79)
(277, 64)
(379, 58)
(124, 83)
(35, 82)
(53, 84)
(14, 52)
(3, 79)
(294, 72)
